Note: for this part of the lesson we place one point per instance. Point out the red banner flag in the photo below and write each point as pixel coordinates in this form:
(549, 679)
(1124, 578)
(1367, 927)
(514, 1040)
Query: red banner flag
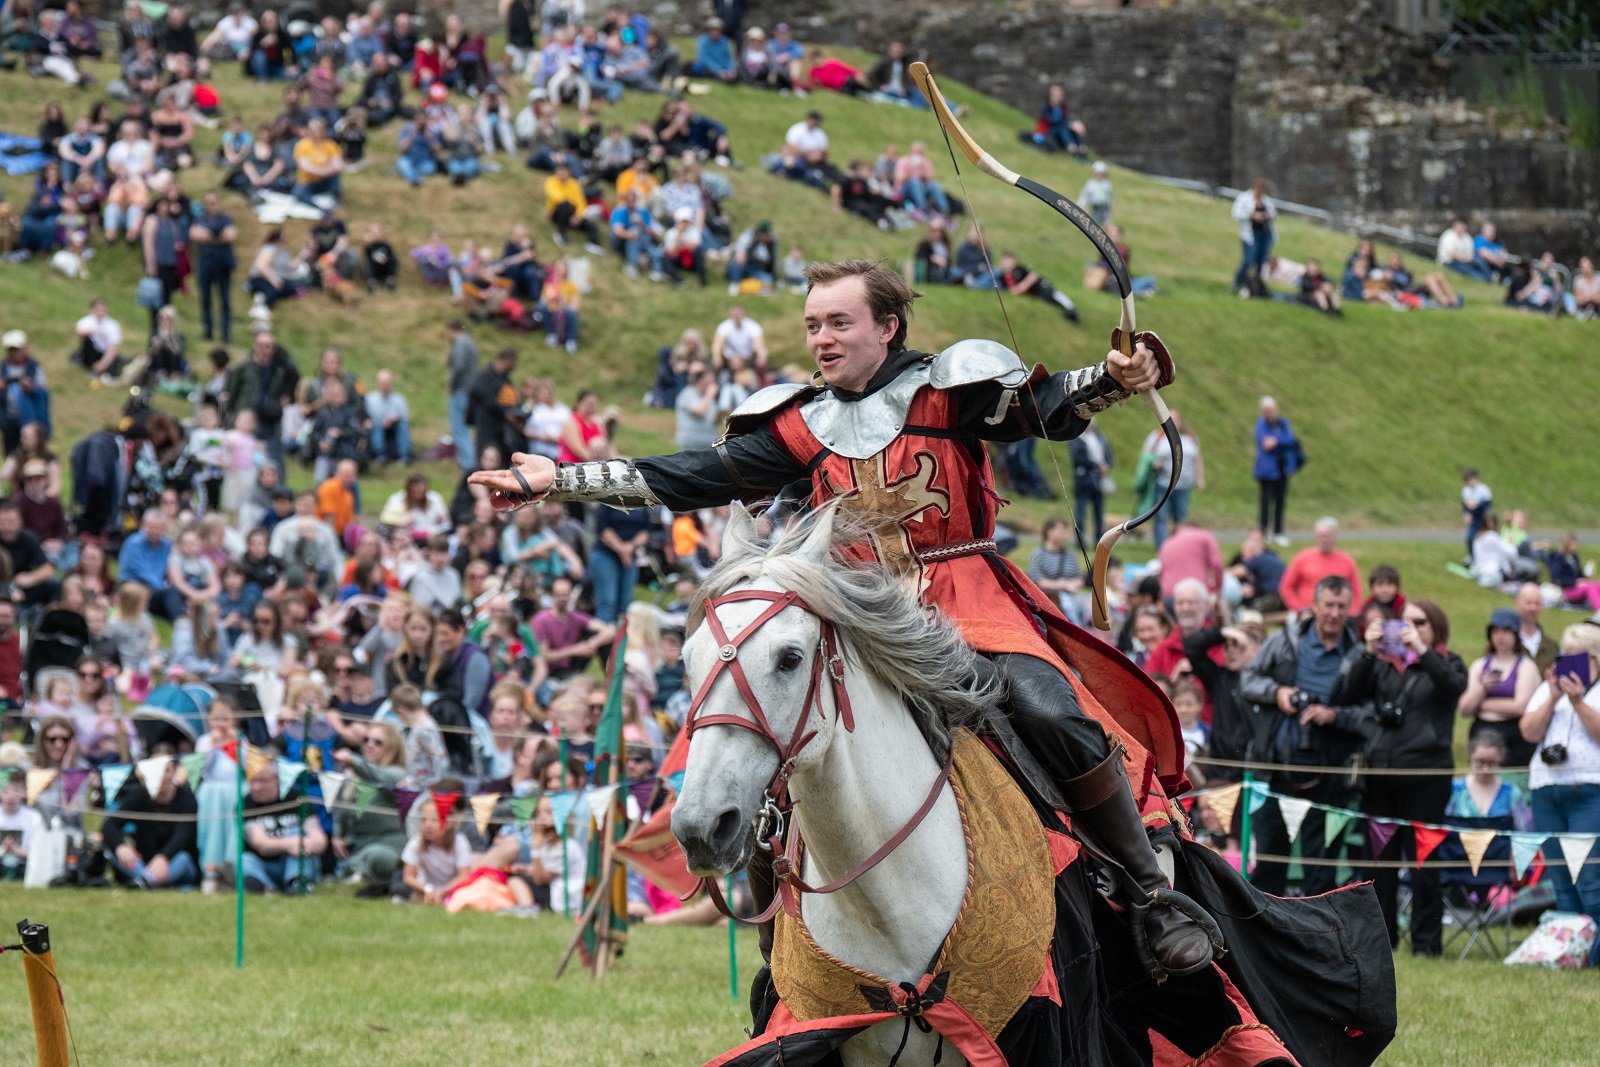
(1428, 839)
(444, 804)
(653, 852)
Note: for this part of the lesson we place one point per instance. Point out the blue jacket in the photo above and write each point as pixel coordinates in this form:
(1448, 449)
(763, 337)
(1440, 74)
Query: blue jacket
(1282, 461)
(714, 55)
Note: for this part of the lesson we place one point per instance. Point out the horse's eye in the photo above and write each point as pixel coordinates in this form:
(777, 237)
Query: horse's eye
(790, 660)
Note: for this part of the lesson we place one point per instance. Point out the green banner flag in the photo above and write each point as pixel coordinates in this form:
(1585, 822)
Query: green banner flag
(365, 793)
(1333, 823)
(194, 768)
(522, 809)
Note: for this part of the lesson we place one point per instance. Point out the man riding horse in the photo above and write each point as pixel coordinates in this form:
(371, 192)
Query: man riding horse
(901, 435)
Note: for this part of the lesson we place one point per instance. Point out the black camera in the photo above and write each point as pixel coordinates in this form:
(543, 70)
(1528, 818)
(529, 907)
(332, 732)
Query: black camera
(1554, 755)
(1389, 713)
(1300, 700)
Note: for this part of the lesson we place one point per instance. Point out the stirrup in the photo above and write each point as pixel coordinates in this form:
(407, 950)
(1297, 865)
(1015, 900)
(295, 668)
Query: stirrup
(1138, 920)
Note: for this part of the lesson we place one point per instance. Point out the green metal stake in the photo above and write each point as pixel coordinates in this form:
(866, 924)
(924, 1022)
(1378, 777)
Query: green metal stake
(300, 872)
(1246, 794)
(566, 884)
(733, 948)
(238, 855)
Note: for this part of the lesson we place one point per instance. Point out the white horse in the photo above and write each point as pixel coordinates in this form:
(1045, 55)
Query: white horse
(908, 680)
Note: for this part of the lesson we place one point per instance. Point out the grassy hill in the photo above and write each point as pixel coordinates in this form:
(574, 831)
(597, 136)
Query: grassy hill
(1391, 406)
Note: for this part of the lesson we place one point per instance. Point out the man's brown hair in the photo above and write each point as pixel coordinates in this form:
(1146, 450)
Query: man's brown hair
(887, 292)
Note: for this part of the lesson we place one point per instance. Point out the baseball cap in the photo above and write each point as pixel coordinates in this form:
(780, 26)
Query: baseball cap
(1505, 619)
(1099, 167)
(35, 468)
(16, 339)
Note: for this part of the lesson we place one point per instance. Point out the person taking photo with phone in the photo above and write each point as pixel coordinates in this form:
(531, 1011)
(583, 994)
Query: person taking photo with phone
(1563, 719)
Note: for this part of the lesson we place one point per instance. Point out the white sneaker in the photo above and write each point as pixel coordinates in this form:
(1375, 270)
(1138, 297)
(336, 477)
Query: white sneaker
(657, 276)
(594, 250)
(733, 288)
(572, 348)
(560, 238)
(1280, 540)
(631, 271)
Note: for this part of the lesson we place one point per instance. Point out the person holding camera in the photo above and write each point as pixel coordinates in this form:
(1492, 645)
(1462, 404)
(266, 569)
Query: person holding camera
(1413, 681)
(1563, 719)
(1297, 671)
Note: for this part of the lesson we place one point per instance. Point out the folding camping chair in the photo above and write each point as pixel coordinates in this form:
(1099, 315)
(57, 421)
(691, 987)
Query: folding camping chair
(1475, 905)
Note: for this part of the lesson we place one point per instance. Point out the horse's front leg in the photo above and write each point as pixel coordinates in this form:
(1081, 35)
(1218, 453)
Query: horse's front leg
(876, 1045)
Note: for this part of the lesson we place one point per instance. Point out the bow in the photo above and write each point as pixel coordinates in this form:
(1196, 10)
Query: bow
(1124, 336)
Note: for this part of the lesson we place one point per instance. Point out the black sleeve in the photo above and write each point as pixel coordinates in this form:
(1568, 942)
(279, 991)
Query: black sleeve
(1036, 410)
(1196, 645)
(748, 466)
(181, 836)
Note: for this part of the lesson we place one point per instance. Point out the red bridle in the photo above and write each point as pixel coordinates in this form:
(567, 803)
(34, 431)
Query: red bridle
(777, 804)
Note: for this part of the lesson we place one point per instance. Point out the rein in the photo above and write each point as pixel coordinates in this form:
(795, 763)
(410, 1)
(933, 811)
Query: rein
(777, 804)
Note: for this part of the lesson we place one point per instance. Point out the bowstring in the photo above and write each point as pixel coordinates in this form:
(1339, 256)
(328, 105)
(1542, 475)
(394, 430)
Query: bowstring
(1055, 461)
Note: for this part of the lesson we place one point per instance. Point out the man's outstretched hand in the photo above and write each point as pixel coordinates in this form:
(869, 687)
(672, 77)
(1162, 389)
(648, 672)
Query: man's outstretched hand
(506, 493)
(1134, 373)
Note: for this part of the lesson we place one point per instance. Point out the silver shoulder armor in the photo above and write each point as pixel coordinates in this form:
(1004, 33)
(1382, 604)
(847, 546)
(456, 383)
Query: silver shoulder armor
(977, 360)
(768, 399)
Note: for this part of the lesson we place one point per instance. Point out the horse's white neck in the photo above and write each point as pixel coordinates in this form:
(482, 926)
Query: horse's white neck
(867, 785)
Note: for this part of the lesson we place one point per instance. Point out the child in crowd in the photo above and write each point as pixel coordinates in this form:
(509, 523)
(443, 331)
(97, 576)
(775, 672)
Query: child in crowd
(20, 827)
(1189, 700)
(208, 445)
(426, 759)
(489, 885)
(60, 698)
(437, 857)
(557, 878)
(243, 456)
(1384, 584)
(792, 269)
(132, 632)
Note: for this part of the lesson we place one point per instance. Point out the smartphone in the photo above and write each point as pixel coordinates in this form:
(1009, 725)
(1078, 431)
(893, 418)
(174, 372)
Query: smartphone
(1576, 665)
(1389, 644)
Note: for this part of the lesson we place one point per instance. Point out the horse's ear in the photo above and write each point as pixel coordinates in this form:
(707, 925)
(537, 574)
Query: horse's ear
(819, 542)
(741, 538)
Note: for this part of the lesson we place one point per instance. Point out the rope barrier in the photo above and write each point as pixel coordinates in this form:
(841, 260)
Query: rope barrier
(1389, 865)
(1362, 770)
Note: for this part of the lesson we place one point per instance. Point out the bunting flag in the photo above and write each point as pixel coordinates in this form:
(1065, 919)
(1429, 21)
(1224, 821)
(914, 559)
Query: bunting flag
(522, 809)
(600, 802)
(1382, 833)
(289, 772)
(404, 797)
(1575, 850)
(151, 771)
(1524, 847)
(255, 760)
(1428, 839)
(71, 782)
(1294, 811)
(6, 773)
(366, 792)
(1258, 797)
(1476, 843)
(112, 775)
(1223, 801)
(561, 805)
(444, 804)
(39, 779)
(482, 808)
(675, 780)
(230, 749)
(194, 768)
(331, 783)
(676, 760)
(1334, 821)
(654, 852)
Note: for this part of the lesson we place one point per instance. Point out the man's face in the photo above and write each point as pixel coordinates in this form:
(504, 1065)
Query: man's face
(305, 505)
(1327, 537)
(261, 350)
(1190, 607)
(348, 473)
(841, 335)
(1331, 611)
(10, 524)
(155, 527)
(448, 638)
(1529, 604)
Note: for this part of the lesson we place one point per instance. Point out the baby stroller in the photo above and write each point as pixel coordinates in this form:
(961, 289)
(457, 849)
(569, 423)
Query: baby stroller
(58, 641)
(175, 714)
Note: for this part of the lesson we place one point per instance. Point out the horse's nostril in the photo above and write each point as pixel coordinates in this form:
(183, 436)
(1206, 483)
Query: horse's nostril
(725, 833)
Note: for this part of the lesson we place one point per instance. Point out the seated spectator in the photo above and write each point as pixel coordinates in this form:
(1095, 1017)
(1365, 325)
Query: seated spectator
(738, 337)
(810, 141)
(570, 639)
(759, 66)
(1495, 564)
(1584, 300)
(390, 417)
(155, 853)
(614, 155)
(304, 540)
(172, 133)
(1456, 252)
(275, 274)
(754, 256)
(890, 76)
(463, 147)
(1433, 285)
(419, 146)
(1542, 289)
(932, 257)
(682, 248)
(270, 58)
(1487, 250)
(77, 32)
(713, 55)
(1258, 570)
(1020, 280)
(191, 574)
(230, 38)
(370, 841)
(829, 72)
(1317, 291)
(857, 193)
(1142, 284)
(636, 237)
(915, 185)
(282, 851)
(382, 93)
(566, 206)
(558, 303)
(143, 560)
(1056, 130)
(973, 267)
(318, 164)
(82, 151)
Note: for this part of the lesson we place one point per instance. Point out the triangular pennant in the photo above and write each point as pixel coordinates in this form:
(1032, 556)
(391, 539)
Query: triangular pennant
(330, 783)
(561, 805)
(71, 782)
(1428, 839)
(1223, 801)
(1258, 797)
(1524, 847)
(1293, 810)
(151, 771)
(255, 760)
(39, 779)
(404, 797)
(1475, 843)
(1575, 850)
(483, 807)
(289, 772)
(230, 749)
(675, 780)
(194, 768)
(1381, 833)
(6, 773)
(600, 802)
(112, 775)
(522, 808)
(444, 804)
(1334, 820)
(366, 793)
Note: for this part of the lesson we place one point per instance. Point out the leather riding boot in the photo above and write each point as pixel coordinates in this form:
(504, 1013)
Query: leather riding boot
(1102, 804)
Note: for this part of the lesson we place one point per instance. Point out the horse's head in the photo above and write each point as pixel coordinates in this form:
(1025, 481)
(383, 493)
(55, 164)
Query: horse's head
(767, 706)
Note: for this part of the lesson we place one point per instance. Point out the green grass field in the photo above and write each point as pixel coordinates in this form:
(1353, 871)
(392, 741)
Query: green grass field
(335, 981)
(1390, 405)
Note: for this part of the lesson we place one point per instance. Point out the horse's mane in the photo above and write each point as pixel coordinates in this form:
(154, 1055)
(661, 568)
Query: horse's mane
(879, 622)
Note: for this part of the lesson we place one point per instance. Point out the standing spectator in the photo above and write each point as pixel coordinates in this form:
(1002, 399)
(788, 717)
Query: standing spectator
(264, 384)
(100, 341)
(1563, 719)
(1311, 565)
(699, 422)
(1091, 468)
(739, 337)
(1239, 728)
(26, 400)
(1477, 501)
(1529, 606)
(1191, 552)
(163, 241)
(391, 421)
(1414, 694)
(144, 559)
(1096, 194)
(1254, 211)
(1500, 683)
(620, 540)
(463, 369)
(1190, 478)
(1315, 730)
(1054, 569)
(318, 162)
(211, 236)
(1279, 457)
